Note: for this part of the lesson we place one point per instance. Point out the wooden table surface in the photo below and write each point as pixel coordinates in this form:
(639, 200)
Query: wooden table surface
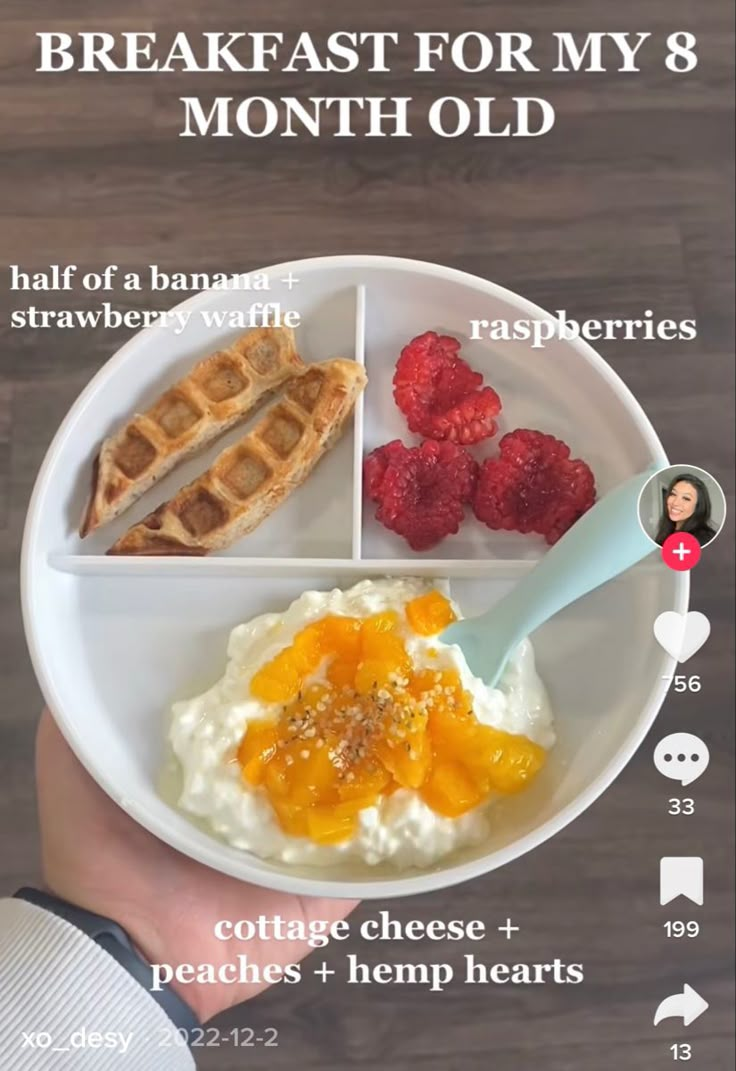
(623, 206)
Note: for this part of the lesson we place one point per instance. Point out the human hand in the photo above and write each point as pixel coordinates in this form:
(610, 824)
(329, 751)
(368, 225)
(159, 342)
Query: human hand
(98, 858)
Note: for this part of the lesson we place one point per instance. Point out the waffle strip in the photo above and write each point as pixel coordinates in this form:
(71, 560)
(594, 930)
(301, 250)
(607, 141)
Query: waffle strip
(221, 390)
(248, 480)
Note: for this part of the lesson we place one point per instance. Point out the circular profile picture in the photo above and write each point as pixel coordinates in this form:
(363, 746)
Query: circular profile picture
(682, 499)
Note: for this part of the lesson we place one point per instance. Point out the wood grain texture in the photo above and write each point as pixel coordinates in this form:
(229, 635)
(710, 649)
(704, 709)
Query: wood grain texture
(625, 205)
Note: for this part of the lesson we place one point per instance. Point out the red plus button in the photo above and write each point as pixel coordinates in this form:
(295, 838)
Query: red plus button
(681, 551)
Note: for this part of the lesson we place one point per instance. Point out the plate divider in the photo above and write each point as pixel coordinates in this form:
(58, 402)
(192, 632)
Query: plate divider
(357, 545)
(102, 565)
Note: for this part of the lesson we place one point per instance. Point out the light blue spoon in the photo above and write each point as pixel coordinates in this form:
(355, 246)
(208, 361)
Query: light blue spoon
(606, 541)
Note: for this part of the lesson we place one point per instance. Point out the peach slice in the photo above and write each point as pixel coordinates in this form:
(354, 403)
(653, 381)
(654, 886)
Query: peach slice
(429, 614)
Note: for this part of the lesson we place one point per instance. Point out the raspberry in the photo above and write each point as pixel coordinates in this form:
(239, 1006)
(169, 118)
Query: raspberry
(421, 491)
(440, 395)
(533, 486)
(375, 465)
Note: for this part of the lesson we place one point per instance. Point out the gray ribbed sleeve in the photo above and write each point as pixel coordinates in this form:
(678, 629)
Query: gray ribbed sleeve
(57, 987)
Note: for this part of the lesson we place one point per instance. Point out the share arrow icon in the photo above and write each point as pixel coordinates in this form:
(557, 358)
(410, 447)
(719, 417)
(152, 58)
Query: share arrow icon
(687, 1006)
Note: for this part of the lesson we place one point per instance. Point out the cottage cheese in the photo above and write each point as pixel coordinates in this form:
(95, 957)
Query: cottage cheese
(205, 733)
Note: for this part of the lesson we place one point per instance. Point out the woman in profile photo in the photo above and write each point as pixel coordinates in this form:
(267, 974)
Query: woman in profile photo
(686, 509)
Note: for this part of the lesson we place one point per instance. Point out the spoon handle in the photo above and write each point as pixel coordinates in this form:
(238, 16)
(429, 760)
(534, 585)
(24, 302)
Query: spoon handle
(604, 542)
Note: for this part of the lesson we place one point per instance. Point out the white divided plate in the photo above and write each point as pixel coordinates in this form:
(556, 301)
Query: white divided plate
(115, 640)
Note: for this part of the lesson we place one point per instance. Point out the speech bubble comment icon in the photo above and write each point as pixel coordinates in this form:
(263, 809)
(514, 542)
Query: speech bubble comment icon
(682, 757)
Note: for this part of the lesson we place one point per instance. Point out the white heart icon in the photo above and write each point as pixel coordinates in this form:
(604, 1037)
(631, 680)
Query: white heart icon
(681, 635)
